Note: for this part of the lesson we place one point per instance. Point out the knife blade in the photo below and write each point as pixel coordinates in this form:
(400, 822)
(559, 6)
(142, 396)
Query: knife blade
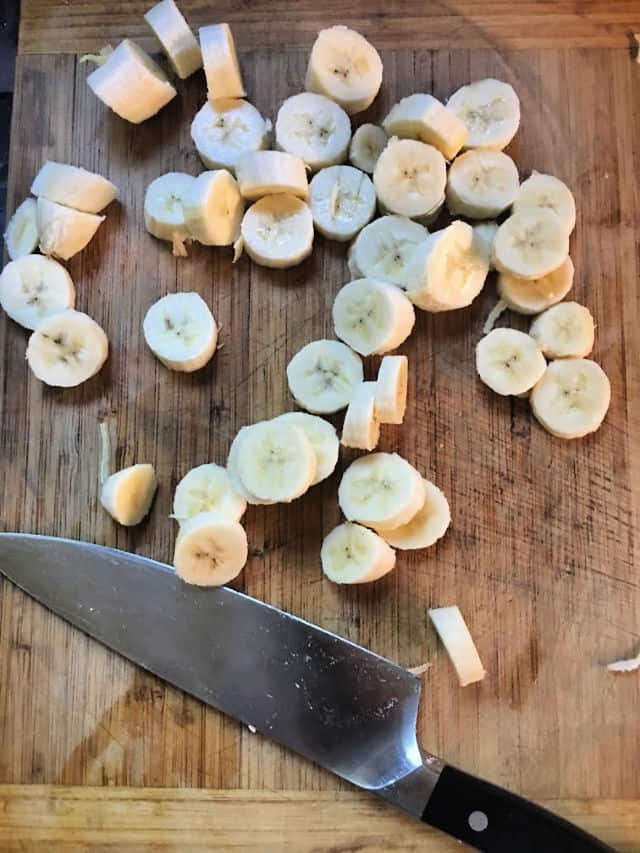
(334, 702)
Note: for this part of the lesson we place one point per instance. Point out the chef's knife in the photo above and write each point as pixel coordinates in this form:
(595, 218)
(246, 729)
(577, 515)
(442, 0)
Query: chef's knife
(332, 701)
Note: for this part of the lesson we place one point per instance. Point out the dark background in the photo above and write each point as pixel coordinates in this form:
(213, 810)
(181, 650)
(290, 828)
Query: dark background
(9, 12)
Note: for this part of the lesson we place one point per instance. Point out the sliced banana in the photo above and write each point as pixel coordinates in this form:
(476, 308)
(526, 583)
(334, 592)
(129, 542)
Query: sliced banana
(342, 201)
(323, 438)
(127, 495)
(447, 271)
(276, 461)
(481, 184)
(277, 231)
(532, 297)
(410, 178)
(509, 361)
(428, 525)
(367, 144)
(207, 488)
(490, 110)
(263, 173)
(545, 191)
(361, 428)
(313, 128)
(62, 231)
(176, 38)
(345, 67)
(73, 186)
(566, 330)
(323, 375)
(220, 61)
(34, 288)
(531, 244)
(131, 84)
(572, 398)
(181, 331)
(391, 389)
(211, 550)
(353, 554)
(233, 471)
(67, 349)
(21, 236)
(484, 234)
(212, 208)
(381, 490)
(384, 248)
(372, 317)
(423, 117)
(222, 130)
(164, 209)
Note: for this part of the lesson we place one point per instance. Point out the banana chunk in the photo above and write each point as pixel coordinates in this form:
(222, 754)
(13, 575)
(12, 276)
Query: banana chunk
(428, 525)
(212, 208)
(530, 244)
(207, 488)
(323, 438)
(314, 128)
(342, 201)
(549, 193)
(566, 330)
(384, 249)
(211, 550)
(509, 361)
(391, 389)
(484, 235)
(34, 288)
(458, 642)
(447, 271)
(220, 61)
(131, 84)
(372, 317)
(181, 331)
(63, 232)
(73, 186)
(323, 375)
(353, 554)
(572, 398)
(277, 231)
(490, 110)
(410, 178)
(361, 428)
(127, 495)
(381, 490)
(367, 144)
(234, 473)
(164, 209)
(532, 297)
(67, 349)
(21, 236)
(481, 184)
(345, 67)
(263, 173)
(176, 38)
(423, 117)
(224, 129)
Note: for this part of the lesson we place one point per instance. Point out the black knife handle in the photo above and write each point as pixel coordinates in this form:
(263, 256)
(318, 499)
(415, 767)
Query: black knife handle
(495, 821)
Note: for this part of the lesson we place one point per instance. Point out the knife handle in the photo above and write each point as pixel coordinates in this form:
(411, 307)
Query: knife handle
(494, 820)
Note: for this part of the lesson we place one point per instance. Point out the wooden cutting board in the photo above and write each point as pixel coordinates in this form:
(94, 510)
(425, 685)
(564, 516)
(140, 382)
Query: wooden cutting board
(542, 555)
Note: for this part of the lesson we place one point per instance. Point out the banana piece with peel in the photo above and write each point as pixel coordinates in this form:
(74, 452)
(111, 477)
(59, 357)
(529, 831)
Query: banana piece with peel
(427, 526)
(572, 397)
(62, 231)
(127, 495)
(566, 330)
(533, 297)
(74, 187)
(423, 117)
(227, 128)
(547, 192)
(367, 144)
(391, 389)
(263, 173)
(211, 550)
(410, 178)
(323, 438)
(181, 331)
(314, 128)
(372, 317)
(34, 288)
(175, 36)
(21, 236)
(530, 244)
(342, 201)
(277, 231)
(207, 488)
(509, 362)
(361, 428)
(384, 248)
(323, 376)
(353, 554)
(212, 208)
(490, 110)
(164, 209)
(481, 184)
(67, 349)
(220, 61)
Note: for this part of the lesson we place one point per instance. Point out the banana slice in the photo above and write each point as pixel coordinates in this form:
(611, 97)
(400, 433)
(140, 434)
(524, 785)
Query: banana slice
(484, 234)
(490, 110)
(277, 231)
(410, 178)
(572, 398)
(342, 201)
(21, 236)
(263, 173)
(234, 474)
(276, 461)
(423, 117)
(67, 349)
(372, 317)
(509, 362)
(361, 428)
(323, 375)
(391, 389)
(181, 331)
(212, 208)
(345, 67)
(131, 84)
(211, 550)
(176, 38)
(222, 130)
(128, 494)
(565, 331)
(220, 61)
(531, 244)
(353, 554)
(164, 209)
(73, 187)
(428, 525)
(447, 271)
(313, 128)
(34, 288)
(380, 490)
(323, 438)
(545, 191)
(207, 488)
(532, 297)
(452, 630)
(384, 248)
(63, 232)
(481, 184)
(367, 144)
